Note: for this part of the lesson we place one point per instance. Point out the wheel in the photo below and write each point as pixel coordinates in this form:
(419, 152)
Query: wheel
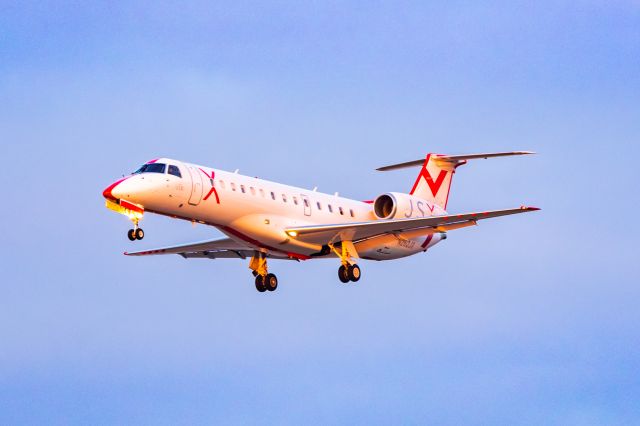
(354, 272)
(139, 234)
(131, 234)
(271, 282)
(343, 274)
(260, 284)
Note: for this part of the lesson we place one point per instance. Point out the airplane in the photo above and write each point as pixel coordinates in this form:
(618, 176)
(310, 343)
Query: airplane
(265, 220)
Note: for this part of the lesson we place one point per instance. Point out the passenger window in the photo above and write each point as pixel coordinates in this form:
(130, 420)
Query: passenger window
(174, 170)
(233, 186)
(295, 200)
(284, 198)
(341, 211)
(319, 205)
(242, 189)
(253, 190)
(273, 195)
(262, 192)
(351, 212)
(330, 208)
(306, 202)
(222, 184)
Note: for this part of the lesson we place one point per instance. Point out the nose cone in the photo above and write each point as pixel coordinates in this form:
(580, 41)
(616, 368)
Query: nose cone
(111, 192)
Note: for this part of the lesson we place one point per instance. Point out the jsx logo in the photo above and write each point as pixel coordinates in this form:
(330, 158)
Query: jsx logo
(213, 189)
(434, 185)
(419, 208)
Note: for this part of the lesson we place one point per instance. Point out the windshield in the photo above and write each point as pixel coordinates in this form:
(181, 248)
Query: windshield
(151, 168)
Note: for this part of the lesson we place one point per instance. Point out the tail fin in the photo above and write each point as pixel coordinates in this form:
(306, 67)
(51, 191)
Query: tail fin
(434, 181)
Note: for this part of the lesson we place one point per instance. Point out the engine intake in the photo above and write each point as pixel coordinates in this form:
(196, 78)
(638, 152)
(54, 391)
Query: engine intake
(385, 206)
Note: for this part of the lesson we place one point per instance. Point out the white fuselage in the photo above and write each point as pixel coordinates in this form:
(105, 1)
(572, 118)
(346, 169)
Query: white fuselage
(256, 212)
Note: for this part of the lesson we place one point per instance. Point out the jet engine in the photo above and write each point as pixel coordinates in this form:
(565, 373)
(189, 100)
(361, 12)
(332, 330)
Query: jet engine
(396, 205)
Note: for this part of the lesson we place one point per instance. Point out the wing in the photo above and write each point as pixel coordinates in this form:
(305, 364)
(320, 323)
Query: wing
(357, 231)
(225, 248)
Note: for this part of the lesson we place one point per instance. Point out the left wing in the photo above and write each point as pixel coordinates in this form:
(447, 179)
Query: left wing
(225, 248)
(357, 231)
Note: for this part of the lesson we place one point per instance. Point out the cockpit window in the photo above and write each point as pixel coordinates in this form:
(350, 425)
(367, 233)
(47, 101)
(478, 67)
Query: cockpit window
(151, 168)
(174, 170)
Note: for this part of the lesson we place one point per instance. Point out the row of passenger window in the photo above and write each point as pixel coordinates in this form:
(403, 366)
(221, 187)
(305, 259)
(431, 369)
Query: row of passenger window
(294, 198)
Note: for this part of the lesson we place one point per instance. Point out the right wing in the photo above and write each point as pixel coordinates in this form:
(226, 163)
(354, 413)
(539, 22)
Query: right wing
(356, 231)
(224, 248)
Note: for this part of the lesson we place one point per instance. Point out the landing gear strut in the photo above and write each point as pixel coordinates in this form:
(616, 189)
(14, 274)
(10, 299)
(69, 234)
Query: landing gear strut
(264, 280)
(348, 271)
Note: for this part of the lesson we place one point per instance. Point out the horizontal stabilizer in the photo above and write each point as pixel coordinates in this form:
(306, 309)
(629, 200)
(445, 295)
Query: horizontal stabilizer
(452, 160)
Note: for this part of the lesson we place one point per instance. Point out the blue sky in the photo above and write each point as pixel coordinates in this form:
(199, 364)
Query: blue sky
(522, 320)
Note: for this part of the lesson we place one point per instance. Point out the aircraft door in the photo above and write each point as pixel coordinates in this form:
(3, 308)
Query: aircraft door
(196, 186)
(307, 205)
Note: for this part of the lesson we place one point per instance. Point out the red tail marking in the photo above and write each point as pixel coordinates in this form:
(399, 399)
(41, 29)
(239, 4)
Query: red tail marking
(433, 185)
(213, 189)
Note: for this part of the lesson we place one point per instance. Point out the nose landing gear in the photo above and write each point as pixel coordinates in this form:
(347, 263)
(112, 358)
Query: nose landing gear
(132, 211)
(264, 280)
(135, 234)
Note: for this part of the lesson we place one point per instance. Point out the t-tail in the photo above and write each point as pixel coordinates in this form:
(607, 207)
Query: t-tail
(434, 180)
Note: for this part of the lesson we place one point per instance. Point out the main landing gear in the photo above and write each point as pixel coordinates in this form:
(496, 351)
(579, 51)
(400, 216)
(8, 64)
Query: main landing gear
(348, 271)
(264, 280)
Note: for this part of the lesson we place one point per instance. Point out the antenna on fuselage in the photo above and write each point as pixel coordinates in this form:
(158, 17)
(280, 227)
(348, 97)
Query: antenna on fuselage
(237, 170)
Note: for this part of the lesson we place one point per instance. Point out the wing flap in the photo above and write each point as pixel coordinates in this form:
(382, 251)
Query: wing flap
(356, 231)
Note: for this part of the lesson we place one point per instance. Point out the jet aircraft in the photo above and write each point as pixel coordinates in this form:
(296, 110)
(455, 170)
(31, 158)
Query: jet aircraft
(265, 220)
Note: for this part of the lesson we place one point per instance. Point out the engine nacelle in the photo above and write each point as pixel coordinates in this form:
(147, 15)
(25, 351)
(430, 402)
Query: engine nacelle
(396, 205)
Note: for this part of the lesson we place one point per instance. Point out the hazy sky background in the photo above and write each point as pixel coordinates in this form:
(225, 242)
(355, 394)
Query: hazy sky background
(531, 319)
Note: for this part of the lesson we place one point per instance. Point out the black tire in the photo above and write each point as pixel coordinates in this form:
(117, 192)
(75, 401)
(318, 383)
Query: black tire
(343, 274)
(260, 284)
(139, 234)
(131, 234)
(271, 282)
(354, 273)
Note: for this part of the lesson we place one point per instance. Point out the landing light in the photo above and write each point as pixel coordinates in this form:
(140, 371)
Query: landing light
(292, 234)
